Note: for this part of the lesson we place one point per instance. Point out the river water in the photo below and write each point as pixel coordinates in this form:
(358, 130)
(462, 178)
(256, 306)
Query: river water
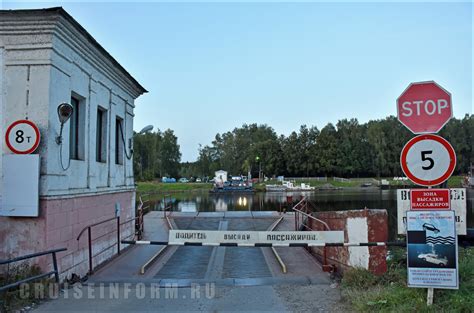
(334, 200)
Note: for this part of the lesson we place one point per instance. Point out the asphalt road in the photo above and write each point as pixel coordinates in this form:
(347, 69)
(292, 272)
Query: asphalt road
(208, 279)
(142, 298)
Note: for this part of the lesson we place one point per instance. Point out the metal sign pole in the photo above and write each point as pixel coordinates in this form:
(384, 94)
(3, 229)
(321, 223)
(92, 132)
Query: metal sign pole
(430, 294)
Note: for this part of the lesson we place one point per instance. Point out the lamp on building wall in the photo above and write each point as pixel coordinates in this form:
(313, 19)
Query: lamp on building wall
(65, 111)
(146, 129)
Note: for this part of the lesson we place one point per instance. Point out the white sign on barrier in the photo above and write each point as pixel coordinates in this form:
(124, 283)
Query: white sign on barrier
(458, 205)
(252, 237)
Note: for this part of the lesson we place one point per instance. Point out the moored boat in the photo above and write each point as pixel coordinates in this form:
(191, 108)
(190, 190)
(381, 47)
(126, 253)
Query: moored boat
(289, 186)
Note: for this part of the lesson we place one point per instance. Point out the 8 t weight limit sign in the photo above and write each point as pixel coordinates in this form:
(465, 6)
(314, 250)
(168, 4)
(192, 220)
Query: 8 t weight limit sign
(22, 137)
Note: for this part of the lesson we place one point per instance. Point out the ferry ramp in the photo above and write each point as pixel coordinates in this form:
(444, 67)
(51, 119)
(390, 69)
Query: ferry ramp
(185, 265)
(242, 278)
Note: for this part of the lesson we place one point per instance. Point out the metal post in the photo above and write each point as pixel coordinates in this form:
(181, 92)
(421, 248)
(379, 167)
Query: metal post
(140, 220)
(118, 234)
(296, 223)
(90, 249)
(55, 266)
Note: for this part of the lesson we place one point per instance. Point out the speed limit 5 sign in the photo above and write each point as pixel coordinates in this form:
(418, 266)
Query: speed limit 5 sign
(22, 137)
(428, 160)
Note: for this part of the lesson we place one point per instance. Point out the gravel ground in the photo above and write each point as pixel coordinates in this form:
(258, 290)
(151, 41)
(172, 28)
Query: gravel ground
(311, 298)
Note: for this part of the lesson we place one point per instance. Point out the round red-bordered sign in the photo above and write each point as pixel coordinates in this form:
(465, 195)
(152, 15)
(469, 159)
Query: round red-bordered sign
(22, 137)
(428, 160)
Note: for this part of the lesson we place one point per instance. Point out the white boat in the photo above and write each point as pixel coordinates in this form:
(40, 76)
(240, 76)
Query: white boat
(289, 186)
(279, 188)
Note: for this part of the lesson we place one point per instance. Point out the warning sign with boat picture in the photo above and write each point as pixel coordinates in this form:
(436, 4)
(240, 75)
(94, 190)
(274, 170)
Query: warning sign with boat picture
(432, 249)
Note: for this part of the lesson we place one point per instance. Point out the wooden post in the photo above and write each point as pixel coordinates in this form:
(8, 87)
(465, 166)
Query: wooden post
(429, 298)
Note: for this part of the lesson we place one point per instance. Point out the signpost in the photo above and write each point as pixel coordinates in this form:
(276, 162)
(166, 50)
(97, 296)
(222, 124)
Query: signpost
(424, 107)
(428, 160)
(22, 137)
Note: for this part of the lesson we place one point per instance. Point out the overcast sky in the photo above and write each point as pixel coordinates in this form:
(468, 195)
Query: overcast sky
(210, 67)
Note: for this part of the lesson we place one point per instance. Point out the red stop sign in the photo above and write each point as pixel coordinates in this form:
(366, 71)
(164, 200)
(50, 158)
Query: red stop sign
(424, 107)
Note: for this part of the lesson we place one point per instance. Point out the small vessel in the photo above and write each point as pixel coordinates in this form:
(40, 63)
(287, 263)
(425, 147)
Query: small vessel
(289, 186)
(277, 188)
(384, 184)
(236, 184)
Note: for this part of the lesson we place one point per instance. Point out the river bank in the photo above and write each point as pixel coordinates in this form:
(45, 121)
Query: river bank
(365, 292)
(330, 183)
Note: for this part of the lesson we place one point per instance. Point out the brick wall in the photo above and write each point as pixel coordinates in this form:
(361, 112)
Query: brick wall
(58, 226)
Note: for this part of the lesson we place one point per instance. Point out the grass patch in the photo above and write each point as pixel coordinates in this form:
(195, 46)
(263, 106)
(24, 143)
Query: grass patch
(159, 187)
(455, 181)
(15, 299)
(389, 293)
(316, 183)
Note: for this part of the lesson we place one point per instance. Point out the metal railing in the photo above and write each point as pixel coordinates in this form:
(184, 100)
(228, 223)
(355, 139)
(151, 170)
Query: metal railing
(139, 228)
(55, 270)
(302, 211)
(167, 207)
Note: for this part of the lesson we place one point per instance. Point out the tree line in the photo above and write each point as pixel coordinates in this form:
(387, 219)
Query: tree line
(346, 149)
(156, 155)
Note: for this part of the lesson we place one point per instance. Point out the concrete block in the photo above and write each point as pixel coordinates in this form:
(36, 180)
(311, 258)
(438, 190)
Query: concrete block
(61, 220)
(66, 233)
(374, 229)
(66, 262)
(50, 222)
(53, 237)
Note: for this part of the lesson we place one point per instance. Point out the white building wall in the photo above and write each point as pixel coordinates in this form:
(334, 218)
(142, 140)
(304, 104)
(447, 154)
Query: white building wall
(2, 133)
(45, 57)
(73, 73)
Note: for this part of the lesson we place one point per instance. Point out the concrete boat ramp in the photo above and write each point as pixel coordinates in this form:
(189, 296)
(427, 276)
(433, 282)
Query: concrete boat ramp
(205, 279)
(226, 266)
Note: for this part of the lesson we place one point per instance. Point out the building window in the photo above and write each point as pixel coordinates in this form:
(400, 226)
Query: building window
(101, 136)
(119, 145)
(76, 130)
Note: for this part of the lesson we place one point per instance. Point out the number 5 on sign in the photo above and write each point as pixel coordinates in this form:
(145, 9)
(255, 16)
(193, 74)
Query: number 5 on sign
(428, 160)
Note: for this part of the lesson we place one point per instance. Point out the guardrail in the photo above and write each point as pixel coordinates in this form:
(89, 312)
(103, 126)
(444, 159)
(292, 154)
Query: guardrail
(29, 256)
(167, 208)
(303, 210)
(275, 253)
(139, 228)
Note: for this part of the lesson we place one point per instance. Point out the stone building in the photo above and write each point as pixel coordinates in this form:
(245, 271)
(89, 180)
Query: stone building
(47, 58)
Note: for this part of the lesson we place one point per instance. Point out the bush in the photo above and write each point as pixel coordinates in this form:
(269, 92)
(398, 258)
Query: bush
(13, 298)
